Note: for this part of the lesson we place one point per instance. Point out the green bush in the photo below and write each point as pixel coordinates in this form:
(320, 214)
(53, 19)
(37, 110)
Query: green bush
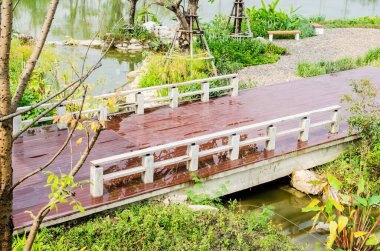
(306, 69)
(267, 18)
(157, 227)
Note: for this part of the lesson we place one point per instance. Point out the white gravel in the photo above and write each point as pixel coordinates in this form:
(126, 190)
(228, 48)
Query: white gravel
(334, 44)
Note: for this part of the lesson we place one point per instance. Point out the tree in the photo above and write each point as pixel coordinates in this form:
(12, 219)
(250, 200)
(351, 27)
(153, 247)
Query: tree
(8, 110)
(132, 12)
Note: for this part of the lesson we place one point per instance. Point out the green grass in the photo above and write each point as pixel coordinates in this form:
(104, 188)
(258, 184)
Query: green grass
(157, 227)
(307, 69)
(361, 22)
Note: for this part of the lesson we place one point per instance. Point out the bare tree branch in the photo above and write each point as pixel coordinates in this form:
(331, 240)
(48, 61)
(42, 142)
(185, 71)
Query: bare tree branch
(46, 209)
(17, 183)
(30, 65)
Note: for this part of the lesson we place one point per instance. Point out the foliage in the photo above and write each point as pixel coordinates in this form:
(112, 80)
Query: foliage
(360, 22)
(350, 218)
(157, 227)
(307, 69)
(267, 18)
(122, 32)
(363, 158)
(42, 81)
(160, 70)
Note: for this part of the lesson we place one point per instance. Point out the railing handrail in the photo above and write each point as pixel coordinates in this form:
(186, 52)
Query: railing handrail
(186, 142)
(140, 90)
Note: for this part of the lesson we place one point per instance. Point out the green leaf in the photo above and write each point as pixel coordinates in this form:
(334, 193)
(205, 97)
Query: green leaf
(372, 241)
(361, 186)
(374, 200)
(334, 182)
(359, 234)
(361, 200)
(310, 209)
(342, 223)
(337, 205)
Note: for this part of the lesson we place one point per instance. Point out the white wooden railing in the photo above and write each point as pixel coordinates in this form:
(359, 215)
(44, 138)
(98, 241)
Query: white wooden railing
(97, 176)
(137, 99)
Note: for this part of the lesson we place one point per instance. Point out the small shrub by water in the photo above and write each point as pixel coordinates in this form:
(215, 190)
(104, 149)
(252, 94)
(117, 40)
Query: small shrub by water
(360, 22)
(158, 227)
(307, 69)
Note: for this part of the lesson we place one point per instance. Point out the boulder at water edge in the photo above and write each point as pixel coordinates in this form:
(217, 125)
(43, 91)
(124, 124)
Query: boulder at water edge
(308, 182)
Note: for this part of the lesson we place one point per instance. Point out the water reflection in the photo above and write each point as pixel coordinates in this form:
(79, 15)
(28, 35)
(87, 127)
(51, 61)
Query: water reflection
(82, 19)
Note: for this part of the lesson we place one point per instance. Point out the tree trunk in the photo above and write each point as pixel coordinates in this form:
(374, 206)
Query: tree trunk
(132, 12)
(6, 172)
(6, 196)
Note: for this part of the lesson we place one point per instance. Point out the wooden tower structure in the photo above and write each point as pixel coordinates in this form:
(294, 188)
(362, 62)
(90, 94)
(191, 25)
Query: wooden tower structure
(238, 16)
(193, 34)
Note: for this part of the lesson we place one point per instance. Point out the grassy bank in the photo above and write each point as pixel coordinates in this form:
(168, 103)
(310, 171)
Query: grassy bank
(158, 227)
(307, 69)
(361, 22)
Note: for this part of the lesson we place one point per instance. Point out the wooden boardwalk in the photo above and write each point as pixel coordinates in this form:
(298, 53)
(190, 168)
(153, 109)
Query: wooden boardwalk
(131, 132)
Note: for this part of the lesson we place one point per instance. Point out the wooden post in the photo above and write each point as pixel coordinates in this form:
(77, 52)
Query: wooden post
(234, 141)
(235, 87)
(206, 92)
(140, 103)
(335, 122)
(174, 95)
(147, 163)
(103, 114)
(96, 179)
(17, 124)
(270, 144)
(61, 111)
(193, 152)
(305, 127)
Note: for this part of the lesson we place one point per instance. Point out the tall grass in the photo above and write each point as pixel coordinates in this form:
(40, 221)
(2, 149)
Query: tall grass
(307, 69)
(360, 22)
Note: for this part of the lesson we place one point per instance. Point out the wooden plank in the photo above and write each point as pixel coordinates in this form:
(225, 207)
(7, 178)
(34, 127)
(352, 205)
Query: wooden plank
(290, 32)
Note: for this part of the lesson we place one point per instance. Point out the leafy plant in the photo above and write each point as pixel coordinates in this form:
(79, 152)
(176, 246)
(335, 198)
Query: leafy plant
(351, 223)
(268, 17)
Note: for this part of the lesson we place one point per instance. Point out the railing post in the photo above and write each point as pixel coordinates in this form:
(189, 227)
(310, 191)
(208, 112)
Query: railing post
(174, 95)
(96, 179)
(206, 92)
(140, 103)
(235, 87)
(335, 122)
(234, 141)
(270, 144)
(147, 163)
(17, 124)
(103, 114)
(193, 152)
(61, 111)
(305, 127)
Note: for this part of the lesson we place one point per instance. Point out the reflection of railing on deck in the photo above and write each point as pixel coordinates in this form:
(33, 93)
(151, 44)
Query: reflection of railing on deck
(147, 167)
(138, 104)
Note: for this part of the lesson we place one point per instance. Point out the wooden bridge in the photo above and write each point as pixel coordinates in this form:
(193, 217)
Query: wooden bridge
(240, 140)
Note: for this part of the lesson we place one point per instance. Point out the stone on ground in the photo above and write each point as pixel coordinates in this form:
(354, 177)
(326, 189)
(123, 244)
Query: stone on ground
(308, 182)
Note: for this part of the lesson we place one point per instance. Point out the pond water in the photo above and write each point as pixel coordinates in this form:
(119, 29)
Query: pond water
(82, 19)
(286, 204)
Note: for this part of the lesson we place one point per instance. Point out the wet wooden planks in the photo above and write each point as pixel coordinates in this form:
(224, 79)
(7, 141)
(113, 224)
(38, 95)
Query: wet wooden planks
(164, 125)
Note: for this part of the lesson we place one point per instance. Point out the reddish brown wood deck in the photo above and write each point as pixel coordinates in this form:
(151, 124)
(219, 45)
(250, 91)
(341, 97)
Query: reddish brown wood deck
(164, 125)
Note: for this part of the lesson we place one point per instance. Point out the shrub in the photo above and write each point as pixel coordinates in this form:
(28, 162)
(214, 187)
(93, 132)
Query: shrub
(306, 69)
(157, 227)
(267, 18)
(361, 22)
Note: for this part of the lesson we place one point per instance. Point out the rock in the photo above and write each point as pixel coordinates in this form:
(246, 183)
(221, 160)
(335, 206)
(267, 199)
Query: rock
(134, 41)
(262, 40)
(150, 25)
(175, 199)
(132, 75)
(308, 182)
(322, 227)
(135, 47)
(164, 32)
(202, 208)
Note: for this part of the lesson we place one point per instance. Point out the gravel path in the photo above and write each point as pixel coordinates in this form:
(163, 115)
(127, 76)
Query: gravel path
(334, 44)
